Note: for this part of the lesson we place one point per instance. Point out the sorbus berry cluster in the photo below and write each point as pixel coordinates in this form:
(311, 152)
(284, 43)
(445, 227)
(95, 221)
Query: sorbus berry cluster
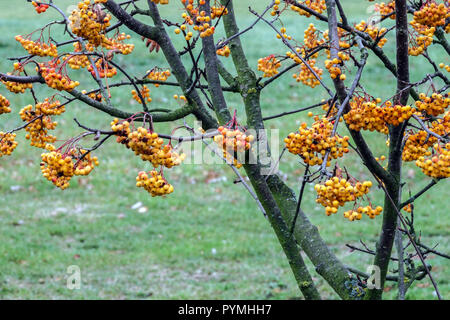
(38, 129)
(417, 145)
(145, 93)
(224, 52)
(84, 164)
(57, 168)
(146, 144)
(311, 38)
(311, 144)
(79, 60)
(16, 87)
(218, 11)
(199, 19)
(7, 143)
(365, 114)
(203, 25)
(4, 105)
(373, 32)
(439, 164)
(269, 65)
(334, 69)
(158, 75)
(353, 215)
(432, 14)
(434, 105)
(233, 141)
(316, 5)
(104, 69)
(386, 9)
(37, 48)
(40, 8)
(89, 22)
(394, 115)
(154, 183)
(55, 79)
(421, 38)
(306, 76)
(336, 192)
(117, 44)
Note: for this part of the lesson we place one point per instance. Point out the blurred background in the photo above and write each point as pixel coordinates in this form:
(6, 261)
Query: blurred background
(207, 240)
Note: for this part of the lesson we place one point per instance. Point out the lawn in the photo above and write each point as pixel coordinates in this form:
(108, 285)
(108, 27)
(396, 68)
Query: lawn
(208, 239)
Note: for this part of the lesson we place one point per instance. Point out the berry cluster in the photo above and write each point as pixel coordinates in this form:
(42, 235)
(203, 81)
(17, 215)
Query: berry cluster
(104, 69)
(334, 69)
(316, 5)
(199, 19)
(373, 32)
(145, 93)
(224, 52)
(312, 143)
(4, 105)
(421, 38)
(335, 192)
(353, 215)
(84, 163)
(78, 61)
(439, 164)
(233, 141)
(311, 38)
(203, 25)
(365, 114)
(269, 65)
(306, 76)
(37, 48)
(117, 44)
(7, 143)
(417, 146)
(386, 9)
(432, 15)
(146, 144)
(16, 87)
(38, 129)
(218, 11)
(89, 22)
(158, 75)
(394, 115)
(57, 168)
(434, 105)
(154, 183)
(40, 8)
(54, 78)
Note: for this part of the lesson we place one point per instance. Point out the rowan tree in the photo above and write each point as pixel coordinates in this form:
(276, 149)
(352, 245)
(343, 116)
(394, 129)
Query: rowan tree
(415, 124)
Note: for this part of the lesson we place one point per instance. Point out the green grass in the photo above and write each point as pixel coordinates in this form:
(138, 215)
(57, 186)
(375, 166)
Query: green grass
(205, 241)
